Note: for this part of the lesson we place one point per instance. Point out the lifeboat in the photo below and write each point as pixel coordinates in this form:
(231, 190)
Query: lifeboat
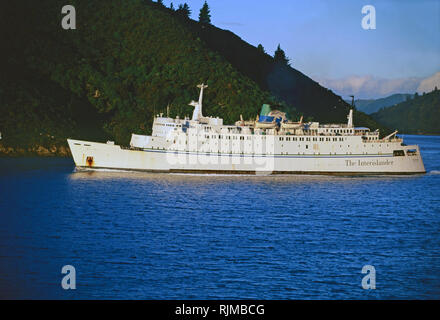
(242, 123)
(265, 125)
(292, 125)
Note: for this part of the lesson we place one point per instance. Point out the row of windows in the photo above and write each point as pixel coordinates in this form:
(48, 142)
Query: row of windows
(208, 128)
(226, 137)
(310, 139)
(339, 130)
(168, 125)
(235, 137)
(299, 146)
(267, 152)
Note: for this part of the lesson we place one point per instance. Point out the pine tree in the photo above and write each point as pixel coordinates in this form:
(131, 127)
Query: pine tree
(261, 48)
(171, 6)
(184, 10)
(160, 2)
(205, 14)
(280, 56)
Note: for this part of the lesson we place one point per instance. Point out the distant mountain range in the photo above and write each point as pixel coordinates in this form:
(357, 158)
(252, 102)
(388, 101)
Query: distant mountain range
(371, 87)
(369, 106)
(419, 115)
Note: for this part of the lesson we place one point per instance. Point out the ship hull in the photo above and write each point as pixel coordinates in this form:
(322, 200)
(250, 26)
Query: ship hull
(93, 156)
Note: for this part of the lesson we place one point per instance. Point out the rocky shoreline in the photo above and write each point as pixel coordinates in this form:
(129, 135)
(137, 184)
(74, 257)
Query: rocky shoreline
(36, 150)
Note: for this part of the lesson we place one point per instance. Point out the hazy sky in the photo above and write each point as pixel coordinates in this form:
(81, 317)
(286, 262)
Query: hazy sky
(324, 39)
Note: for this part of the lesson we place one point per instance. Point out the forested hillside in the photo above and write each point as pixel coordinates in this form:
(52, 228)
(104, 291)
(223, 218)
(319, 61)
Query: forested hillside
(420, 115)
(126, 61)
(370, 106)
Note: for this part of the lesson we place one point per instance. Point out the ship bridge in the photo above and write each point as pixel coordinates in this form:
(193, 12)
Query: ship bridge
(166, 126)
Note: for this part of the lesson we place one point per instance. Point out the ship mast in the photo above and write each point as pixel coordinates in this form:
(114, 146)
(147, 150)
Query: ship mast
(197, 114)
(201, 86)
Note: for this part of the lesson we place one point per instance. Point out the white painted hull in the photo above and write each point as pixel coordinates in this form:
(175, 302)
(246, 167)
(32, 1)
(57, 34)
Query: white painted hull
(92, 155)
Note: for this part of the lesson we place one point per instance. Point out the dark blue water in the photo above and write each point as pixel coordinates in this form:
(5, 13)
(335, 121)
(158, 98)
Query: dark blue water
(155, 236)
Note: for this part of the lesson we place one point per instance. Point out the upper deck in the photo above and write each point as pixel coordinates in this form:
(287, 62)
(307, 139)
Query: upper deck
(167, 127)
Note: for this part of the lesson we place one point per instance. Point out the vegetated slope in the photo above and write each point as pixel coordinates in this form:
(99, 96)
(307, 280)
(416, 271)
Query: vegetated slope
(370, 106)
(420, 115)
(126, 61)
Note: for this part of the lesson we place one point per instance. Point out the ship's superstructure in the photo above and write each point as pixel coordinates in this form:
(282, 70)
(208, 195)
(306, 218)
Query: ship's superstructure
(269, 144)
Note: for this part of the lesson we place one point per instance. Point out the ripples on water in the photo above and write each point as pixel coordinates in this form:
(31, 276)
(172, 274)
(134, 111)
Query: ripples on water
(157, 236)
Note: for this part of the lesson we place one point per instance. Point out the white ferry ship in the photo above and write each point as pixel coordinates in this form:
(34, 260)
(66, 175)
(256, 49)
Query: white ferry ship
(271, 144)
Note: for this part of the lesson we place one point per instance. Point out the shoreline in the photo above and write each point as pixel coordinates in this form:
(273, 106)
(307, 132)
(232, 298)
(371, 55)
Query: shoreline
(419, 134)
(34, 151)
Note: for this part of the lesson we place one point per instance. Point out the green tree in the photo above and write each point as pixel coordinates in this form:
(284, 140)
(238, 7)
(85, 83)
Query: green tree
(171, 6)
(160, 2)
(205, 14)
(261, 48)
(184, 10)
(280, 56)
